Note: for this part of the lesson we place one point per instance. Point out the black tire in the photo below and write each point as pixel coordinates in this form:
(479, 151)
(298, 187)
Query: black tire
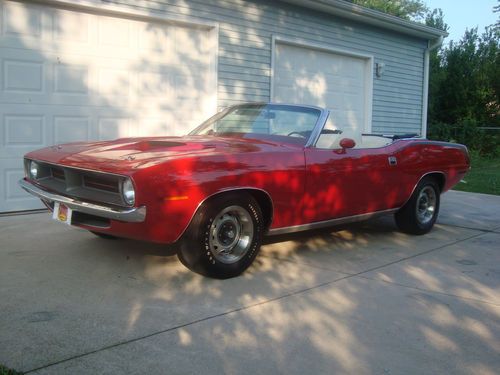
(224, 236)
(104, 235)
(419, 214)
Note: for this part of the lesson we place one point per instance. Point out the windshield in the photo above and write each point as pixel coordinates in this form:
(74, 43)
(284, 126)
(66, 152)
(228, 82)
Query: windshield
(262, 121)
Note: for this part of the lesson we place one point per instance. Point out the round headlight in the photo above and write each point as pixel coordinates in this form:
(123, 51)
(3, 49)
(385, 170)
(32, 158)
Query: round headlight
(128, 192)
(34, 168)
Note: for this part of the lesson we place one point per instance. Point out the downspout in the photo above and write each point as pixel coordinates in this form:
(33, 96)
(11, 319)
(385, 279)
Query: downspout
(425, 93)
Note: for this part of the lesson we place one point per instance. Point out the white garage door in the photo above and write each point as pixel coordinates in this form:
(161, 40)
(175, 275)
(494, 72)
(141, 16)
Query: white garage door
(67, 75)
(314, 76)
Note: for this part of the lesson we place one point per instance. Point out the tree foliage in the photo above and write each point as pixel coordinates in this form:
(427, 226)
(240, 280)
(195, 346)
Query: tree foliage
(464, 86)
(407, 9)
(464, 90)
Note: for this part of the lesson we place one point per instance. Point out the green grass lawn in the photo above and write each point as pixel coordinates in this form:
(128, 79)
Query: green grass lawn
(7, 371)
(484, 176)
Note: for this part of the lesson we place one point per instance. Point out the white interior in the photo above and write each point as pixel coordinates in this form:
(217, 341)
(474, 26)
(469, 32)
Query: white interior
(332, 141)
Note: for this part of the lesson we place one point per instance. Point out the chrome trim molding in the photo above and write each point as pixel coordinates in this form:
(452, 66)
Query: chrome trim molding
(76, 168)
(227, 190)
(421, 178)
(132, 215)
(318, 128)
(328, 223)
(424, 141)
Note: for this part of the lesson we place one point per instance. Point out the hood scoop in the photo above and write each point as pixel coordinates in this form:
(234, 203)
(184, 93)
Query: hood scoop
(160, 145)
(145, 148)
(153, 145)
(163, 144)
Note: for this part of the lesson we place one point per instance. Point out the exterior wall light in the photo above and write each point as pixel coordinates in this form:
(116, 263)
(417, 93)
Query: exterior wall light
(379, 69)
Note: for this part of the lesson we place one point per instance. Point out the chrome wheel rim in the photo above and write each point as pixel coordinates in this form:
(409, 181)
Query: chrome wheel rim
(426, 205)
(231, 234)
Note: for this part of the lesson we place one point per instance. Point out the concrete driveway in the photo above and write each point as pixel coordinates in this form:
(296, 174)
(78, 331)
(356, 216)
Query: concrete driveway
(365, 299)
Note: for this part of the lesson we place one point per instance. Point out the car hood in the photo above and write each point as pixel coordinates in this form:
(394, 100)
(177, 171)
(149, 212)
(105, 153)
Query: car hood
(129, 154)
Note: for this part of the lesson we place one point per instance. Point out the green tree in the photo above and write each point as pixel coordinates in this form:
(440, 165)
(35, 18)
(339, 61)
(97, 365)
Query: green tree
(466, 82)
(407, 9)
(464, 91)
(436, 72)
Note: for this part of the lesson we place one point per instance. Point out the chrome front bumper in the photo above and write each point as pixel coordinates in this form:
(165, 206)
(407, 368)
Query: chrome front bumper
(132, 215)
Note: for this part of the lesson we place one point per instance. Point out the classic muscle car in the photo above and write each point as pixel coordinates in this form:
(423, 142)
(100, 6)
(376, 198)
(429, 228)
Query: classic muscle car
(250, 170)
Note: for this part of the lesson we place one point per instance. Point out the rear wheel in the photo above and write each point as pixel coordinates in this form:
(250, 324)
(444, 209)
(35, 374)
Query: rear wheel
(419, 214)
(224, 237)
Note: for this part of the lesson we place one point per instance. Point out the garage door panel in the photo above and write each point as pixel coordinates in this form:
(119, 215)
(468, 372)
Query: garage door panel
(193, 46)
(12, 176)
(304, 75)
(10, 173)
(71, 79)
(100, 81)
(21, 19)
(115, 32)
(114, 82)
(113, 127)
(73, 27)
(334, 80)
(26, 128)
(71, 129)
(23, 76)
(156, 84)
(157, 39)
(23, 130)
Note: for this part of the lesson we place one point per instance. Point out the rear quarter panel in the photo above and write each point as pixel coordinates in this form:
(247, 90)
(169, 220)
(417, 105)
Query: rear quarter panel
(417, 158)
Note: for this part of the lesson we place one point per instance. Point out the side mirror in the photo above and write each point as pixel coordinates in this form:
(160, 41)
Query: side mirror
(347, 143)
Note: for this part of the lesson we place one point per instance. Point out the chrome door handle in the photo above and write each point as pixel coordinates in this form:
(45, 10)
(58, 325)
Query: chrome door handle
(392, 160)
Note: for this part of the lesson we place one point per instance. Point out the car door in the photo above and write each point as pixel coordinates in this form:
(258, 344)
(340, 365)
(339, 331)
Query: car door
(346, 182)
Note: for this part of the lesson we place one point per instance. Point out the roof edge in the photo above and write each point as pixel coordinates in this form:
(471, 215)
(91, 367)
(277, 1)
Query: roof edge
(372, 17)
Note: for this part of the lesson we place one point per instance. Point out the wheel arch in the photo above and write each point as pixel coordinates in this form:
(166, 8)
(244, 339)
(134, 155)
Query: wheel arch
(439, 176)
(262, 197)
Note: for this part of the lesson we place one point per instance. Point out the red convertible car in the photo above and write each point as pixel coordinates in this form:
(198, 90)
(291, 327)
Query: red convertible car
(250, 170)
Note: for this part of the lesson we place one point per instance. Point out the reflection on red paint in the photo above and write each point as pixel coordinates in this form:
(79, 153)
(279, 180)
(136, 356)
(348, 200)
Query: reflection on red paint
(173, 176)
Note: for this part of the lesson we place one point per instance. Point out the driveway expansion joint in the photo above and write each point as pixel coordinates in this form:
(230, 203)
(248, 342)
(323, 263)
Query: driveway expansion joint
(428, 290)
(493, 230)
(247, 307)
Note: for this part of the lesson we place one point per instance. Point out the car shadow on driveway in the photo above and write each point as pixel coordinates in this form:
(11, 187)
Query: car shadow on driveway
(362, 298)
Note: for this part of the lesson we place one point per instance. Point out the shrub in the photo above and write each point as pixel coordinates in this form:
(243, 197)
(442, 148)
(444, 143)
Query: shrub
(484, 142)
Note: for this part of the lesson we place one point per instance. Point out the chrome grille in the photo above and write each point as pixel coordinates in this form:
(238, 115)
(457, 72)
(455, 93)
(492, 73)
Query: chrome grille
(78, 183)
(57, 173)
(101, 183)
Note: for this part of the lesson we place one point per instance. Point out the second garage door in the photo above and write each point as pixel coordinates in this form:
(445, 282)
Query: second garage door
(338, 81)
(68, 75)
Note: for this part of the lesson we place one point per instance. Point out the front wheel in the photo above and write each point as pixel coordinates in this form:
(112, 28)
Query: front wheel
(224, 237)
(419, 214)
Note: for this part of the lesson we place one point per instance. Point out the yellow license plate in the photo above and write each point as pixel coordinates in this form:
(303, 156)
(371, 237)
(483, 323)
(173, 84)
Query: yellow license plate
(62, 213)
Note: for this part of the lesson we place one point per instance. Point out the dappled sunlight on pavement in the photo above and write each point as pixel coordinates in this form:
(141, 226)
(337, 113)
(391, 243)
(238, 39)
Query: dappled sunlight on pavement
(358, 299)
